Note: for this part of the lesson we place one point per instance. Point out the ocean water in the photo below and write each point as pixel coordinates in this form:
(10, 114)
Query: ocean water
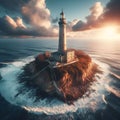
(100, 102)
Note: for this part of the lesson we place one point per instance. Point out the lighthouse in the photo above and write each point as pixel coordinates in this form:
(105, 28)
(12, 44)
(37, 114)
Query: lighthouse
(62, 33)
(63, 55)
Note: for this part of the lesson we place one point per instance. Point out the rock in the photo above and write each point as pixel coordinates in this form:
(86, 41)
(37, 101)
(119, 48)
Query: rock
(67, 82)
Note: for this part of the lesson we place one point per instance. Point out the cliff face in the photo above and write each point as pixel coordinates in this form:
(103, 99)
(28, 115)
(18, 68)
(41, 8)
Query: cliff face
(67, 83)
(74, 79)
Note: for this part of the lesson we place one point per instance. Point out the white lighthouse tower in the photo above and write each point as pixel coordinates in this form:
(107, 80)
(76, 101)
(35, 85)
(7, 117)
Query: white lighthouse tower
(62, 34)
(63, 55)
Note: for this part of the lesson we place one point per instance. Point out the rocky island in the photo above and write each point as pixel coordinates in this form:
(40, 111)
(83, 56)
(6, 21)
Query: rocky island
(64, 74)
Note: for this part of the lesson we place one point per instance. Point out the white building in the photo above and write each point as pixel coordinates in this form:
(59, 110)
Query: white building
(62, 33)
(63, 54)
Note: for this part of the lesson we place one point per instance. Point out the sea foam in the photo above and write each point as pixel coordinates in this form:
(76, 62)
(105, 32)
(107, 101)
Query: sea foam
(9, 88)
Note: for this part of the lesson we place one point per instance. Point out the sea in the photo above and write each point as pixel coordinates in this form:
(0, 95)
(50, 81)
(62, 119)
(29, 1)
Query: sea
(100, 102)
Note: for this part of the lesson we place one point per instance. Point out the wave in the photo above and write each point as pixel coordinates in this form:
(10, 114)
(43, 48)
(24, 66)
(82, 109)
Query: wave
(113, 90)
(10, 86)
(114, 75)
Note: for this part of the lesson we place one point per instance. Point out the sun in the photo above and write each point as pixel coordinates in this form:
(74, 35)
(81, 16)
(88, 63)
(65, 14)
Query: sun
(109, 32)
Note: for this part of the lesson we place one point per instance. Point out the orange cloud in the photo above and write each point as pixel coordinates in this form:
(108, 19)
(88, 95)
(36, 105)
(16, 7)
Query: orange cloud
(10, 22)
(92, 19)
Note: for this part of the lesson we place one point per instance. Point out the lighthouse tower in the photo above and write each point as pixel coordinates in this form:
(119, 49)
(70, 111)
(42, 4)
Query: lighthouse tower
(63, 55)
(62, 34)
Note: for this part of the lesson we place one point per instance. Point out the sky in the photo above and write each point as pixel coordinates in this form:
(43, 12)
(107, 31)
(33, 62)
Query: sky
(72, 8)
(39, 18)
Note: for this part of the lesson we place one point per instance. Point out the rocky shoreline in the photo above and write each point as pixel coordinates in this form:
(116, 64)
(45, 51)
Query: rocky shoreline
(67, 83)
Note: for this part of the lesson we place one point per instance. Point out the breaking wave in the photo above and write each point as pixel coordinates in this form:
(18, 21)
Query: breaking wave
(93, 99)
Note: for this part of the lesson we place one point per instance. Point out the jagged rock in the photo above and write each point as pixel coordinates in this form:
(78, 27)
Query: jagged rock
(67, 82)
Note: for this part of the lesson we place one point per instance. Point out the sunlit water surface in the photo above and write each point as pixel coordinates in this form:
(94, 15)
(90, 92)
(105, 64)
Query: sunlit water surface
(102, 94)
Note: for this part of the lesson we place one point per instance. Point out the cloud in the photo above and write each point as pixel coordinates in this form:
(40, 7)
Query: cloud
(80, 25)
(96, 11)
(100, 16)
(10, 26)
(13, 5)
(34, 20)
(92, 19)
(10, 22)
(112, 12)
(36, 13)
(19, 22)
(16, 27)
(70, 24)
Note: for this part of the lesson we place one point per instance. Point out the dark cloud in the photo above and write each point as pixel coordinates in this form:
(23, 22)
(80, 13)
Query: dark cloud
(9, 26)
(112, 11)
(34, 14)
(13, 5)
(99, 16)
(15, 27)
(80, 25)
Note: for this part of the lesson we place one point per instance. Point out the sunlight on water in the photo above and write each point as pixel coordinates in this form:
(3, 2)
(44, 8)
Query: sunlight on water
(113, 90)
(9, 88)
